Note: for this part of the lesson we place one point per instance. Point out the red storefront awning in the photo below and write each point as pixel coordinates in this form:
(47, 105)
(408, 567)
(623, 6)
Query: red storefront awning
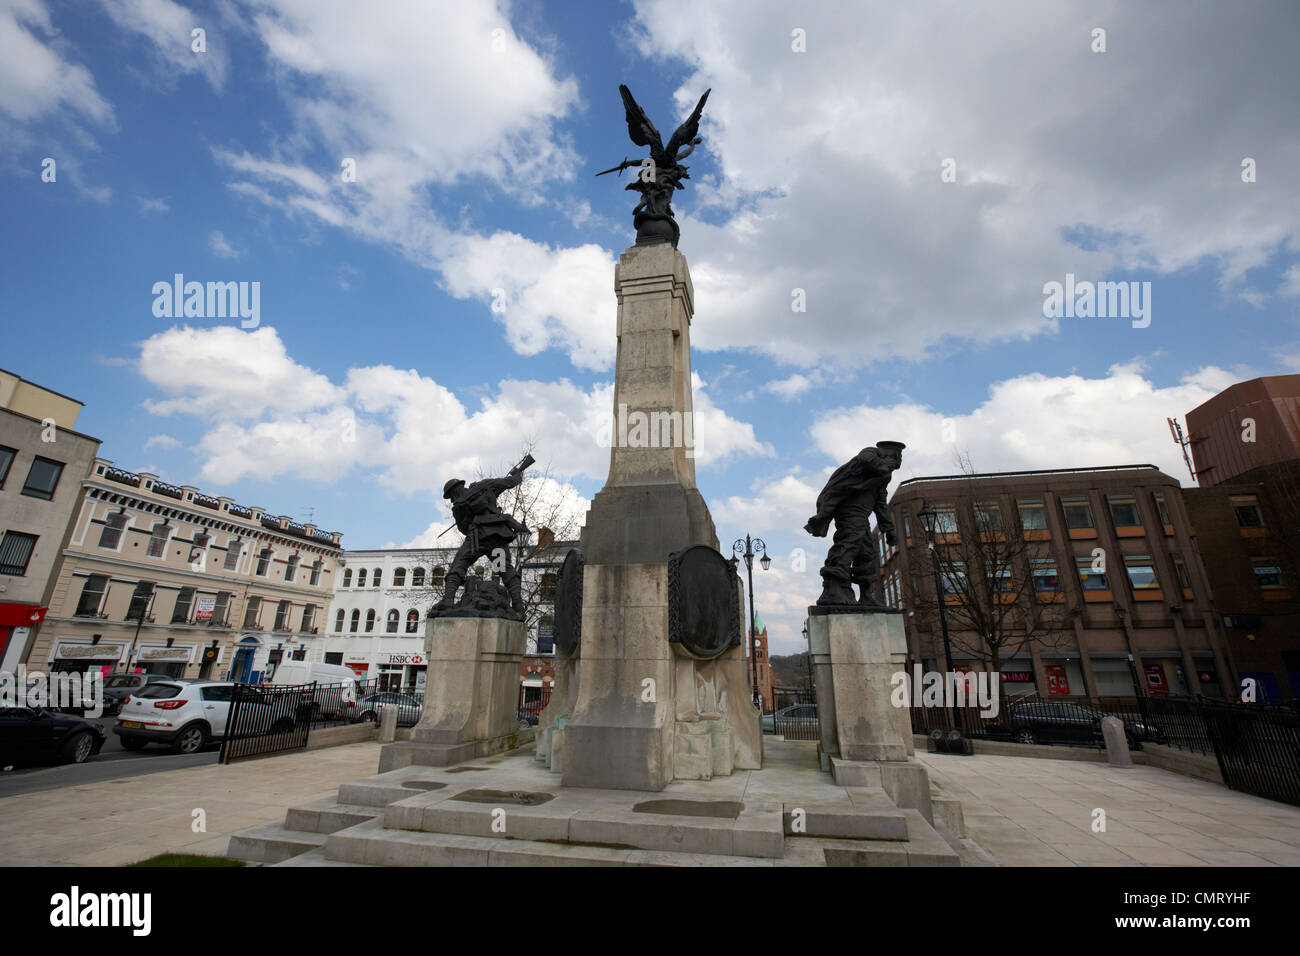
(21, 615)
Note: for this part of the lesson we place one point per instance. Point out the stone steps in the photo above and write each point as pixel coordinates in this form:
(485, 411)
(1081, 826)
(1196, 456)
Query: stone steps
(273, 843)
(328, 815)
(315, 857)
(370, 844)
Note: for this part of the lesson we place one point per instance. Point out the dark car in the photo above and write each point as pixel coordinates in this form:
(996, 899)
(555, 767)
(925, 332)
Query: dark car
(1069, 723)
(530, 715)
(31, 735)
(371, 707)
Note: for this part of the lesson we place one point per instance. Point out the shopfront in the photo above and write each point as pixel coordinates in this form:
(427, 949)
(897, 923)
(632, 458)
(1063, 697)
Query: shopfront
(83, 656)
(16, 622)
(398, 670)
(168, 661)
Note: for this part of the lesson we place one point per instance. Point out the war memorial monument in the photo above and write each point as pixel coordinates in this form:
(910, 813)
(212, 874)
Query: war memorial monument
(650, 751)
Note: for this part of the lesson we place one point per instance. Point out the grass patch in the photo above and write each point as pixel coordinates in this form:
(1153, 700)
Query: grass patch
(188, 859)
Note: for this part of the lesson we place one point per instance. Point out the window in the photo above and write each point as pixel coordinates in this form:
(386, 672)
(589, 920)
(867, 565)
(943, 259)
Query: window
(550, 580)
(436, 577)
(315, 573)
(281, 617)
(291, 568)
(412, 621)
(399, 577)
(361, 578)
(222, 692)
(92, 595)
(251, 612)
(394, 619)
(263, 562)
(1162, 509)
(1033, 516)
(907, 527)
(417, 578)
(308, 618)
(374, 583)
(1141, 572)
(232, 553)
(370, 620)
(7, 455)
(356, 619)
(338, 620)
(988, 517)
(1248, 513)
(945, 519)
(114, 524)
(1124, 511)
(1267, 575)
(158, 539)
(1000, 578)
(181, 612)
(15, 552)
(1078, 514)
(43, 478)
(1092, 580)
(1184, 579)
(220, 609)
(197, 550)
(139, 601)
(954, 578)
(347, 577)
(1046, 579)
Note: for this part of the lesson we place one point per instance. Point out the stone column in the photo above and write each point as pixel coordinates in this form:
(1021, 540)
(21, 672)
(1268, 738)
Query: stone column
(621, 735)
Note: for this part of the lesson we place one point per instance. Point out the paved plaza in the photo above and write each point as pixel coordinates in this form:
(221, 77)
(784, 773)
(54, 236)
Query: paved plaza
(1033, 812)
(1020, 810)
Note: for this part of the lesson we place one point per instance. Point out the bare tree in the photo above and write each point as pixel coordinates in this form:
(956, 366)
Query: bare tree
(994, 608)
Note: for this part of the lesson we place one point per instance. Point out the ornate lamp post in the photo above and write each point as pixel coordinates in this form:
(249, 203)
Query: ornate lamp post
(927, 517)
(745, 549)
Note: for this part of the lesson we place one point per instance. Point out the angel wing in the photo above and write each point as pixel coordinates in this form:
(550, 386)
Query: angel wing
(688, 130)
(639, 127)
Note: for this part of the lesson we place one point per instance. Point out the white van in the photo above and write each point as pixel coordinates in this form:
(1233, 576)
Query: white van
(336, 685)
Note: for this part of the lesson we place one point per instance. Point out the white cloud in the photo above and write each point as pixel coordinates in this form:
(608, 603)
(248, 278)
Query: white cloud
(150, 205)
(271, 416)
(1031, 422)
(790, 388)
(38, 77)
(161, 441)
(169, 28)
(220, 247)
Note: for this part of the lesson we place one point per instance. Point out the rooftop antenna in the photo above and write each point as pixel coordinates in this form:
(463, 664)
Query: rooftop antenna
(1176, 430)
(311, 514)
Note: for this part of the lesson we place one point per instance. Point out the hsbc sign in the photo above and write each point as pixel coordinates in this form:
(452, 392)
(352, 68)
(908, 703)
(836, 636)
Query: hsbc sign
(405, 659)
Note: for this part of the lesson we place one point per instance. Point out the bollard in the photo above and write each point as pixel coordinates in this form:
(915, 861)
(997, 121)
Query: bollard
(388, 725)
(1112, 730)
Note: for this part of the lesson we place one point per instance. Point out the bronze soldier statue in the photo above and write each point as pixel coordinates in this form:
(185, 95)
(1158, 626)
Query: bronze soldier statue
(488, 532)
(856, 490)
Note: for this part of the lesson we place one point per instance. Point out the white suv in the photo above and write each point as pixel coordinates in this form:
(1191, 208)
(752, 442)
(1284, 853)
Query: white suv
(188, 715)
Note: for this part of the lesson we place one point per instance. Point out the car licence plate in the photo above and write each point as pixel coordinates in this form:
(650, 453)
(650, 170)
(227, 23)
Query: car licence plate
(132, 723)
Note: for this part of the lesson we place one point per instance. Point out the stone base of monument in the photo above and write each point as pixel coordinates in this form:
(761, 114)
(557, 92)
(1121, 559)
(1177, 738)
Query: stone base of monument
(508, 810)
(865, 739)
(471, 700)
(647, 712)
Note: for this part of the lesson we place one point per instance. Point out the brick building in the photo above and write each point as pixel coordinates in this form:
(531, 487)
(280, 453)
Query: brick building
(1109, 552)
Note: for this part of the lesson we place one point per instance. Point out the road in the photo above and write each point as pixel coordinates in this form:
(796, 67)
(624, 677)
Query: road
(110, 764)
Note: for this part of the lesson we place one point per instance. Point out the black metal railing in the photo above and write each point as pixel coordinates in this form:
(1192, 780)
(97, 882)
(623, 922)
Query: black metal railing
(266, 720)
(532, 701)
(793, 714)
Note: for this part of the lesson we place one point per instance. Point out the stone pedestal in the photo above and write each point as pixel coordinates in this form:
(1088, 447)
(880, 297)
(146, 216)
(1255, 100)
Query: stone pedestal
(471, 699)
(867, 740)
(854, 656)
(557, 713)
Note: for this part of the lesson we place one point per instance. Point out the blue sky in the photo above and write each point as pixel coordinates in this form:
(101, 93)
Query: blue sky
(477, 130)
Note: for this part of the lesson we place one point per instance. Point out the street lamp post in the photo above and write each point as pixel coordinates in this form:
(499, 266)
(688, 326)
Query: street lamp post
(745, 549)
(926, 516)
